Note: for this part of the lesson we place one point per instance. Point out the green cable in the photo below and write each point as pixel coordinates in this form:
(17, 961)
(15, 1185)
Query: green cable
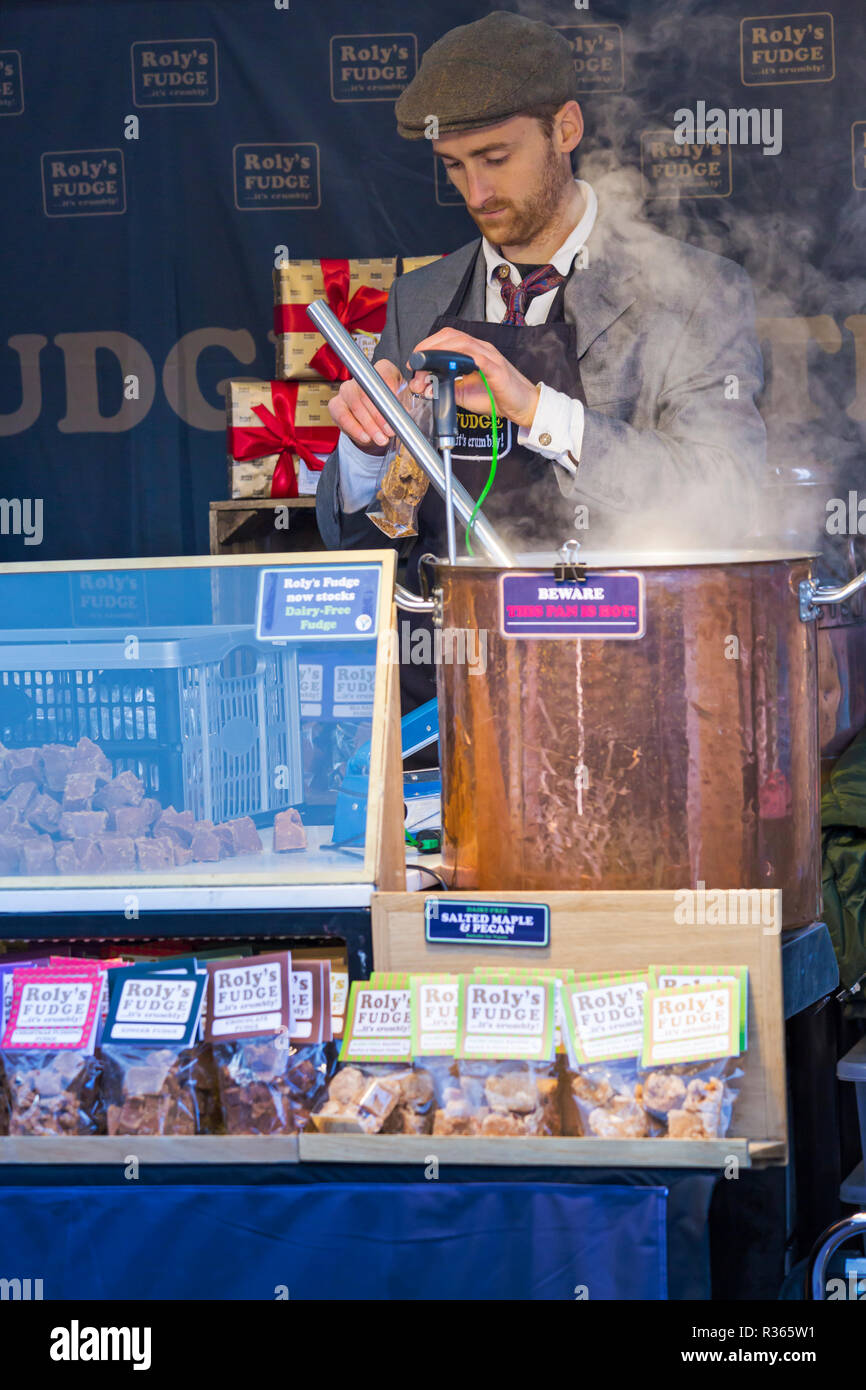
(494, 459)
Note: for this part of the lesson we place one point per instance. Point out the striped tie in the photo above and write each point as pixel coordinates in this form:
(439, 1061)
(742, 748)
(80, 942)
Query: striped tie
(517, 297)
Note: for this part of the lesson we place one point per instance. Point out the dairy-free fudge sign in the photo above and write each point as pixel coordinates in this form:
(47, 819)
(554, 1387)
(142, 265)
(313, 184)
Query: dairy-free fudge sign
(309, 602)
(486, 924)
(601, 605)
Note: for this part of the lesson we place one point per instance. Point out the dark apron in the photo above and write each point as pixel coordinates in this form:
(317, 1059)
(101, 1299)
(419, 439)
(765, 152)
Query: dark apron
(525, 500)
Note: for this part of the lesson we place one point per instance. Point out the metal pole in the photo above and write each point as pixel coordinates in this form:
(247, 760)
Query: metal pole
(449, 504)
(320, 313)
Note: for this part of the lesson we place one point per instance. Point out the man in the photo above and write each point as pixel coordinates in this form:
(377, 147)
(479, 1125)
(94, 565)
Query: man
(623, 364)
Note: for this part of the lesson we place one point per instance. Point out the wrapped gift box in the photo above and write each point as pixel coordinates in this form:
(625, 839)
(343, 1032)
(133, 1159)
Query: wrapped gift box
(357, 291)
(279, 434)
(408, 263)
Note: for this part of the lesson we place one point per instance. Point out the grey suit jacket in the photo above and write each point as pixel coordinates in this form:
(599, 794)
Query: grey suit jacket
(674, 449)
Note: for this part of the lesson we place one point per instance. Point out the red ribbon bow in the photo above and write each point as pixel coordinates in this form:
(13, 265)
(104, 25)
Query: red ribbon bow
(363, 313)
(278, 433)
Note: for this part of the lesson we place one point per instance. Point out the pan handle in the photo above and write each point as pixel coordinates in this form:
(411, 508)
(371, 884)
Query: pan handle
(813, 594)
(411, 603)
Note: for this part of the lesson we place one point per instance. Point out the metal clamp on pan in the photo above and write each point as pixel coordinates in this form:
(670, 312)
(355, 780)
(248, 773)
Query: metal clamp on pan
(812, 594)
(426, 456)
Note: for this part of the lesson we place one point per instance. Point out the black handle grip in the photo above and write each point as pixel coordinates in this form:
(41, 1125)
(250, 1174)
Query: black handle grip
(448, 363)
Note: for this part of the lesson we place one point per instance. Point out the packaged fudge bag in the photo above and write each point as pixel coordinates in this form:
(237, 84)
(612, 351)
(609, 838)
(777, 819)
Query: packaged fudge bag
(505, 1079)
(603, 1029)
(271, 1078)
(51, 1076)
(156, 1075)
(268, 1076)
(434, 1001)
(377, 1089)
(693, 1035)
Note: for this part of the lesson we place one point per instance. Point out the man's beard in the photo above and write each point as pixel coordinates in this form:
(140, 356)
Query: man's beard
(530, 218)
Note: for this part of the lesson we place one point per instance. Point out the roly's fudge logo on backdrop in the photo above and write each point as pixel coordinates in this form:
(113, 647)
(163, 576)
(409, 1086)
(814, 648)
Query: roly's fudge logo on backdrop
(671, 170)
(598, 56)
(174, 72)
(83, 183)
(276, 176)
(858, 154)
(786, 48)
(11, 83)
(372, 67)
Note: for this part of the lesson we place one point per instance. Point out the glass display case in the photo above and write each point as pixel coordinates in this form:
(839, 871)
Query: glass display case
(199, 723)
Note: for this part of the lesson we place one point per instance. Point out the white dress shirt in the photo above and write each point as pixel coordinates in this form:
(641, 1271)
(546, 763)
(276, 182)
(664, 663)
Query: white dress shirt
(558, 418)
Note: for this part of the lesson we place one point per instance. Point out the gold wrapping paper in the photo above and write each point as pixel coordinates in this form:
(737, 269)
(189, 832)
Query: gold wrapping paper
(300, 282)
(253, 478)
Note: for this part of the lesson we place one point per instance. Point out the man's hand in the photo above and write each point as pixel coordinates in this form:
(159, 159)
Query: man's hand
(515, 395)
(357, 416)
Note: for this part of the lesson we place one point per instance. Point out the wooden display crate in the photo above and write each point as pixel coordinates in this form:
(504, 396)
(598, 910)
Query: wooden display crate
(245, 526)
(594, 932)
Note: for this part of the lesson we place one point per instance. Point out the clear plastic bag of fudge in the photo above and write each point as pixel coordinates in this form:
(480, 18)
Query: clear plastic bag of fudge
(269, 1085)
(158, 1090)
(378, 1098)
(691, 1100)
(402, 481)
(56, 1093)
(507, 1098)
(604, 1100)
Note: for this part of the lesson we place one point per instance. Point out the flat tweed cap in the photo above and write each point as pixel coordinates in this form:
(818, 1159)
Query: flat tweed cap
(481, 73)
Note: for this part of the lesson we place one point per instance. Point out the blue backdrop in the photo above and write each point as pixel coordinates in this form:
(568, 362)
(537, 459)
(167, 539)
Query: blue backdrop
(153, 156)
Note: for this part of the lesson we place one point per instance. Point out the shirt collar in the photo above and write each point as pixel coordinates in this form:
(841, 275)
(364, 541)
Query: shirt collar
(563, 258)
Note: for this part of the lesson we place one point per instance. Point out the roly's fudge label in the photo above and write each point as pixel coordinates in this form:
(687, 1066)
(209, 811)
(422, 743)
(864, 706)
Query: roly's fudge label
(249, 998)
(691, 1023)
(609, 605)
(379, 1021)
(671, 976)
(311, 1002)
(604, 1016)
(434, 1015)
(54, 1009)
(155, 1004)
(502, 1019)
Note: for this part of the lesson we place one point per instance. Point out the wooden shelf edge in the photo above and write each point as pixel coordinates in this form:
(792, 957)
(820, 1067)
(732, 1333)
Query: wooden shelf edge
(534, 1152)
(118, 1149)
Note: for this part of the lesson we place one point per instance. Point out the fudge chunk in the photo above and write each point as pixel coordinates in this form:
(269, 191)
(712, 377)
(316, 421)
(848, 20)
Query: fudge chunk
(686, 1124)
(24, 765)
(177, 825)
(515, 1090)
(245, 837)
(87, 756)
(289, 832)
(75, 824)
(80, 789)
(155, 855)
(623, 1118)
(57, 763)
(37, 856)
(44, 813)
(663, 1091)
(22, 796)
(123, 790)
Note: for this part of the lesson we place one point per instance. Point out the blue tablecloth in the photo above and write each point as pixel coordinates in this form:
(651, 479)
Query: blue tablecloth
(339, 1240)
